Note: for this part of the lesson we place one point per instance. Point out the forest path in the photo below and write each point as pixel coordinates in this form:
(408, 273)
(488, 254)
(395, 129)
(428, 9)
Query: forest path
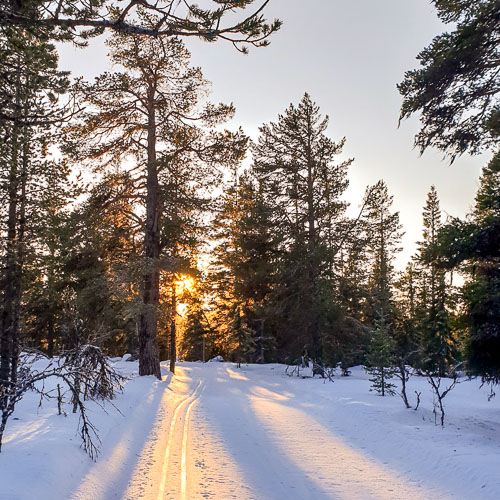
(216, 431)
(237, 434)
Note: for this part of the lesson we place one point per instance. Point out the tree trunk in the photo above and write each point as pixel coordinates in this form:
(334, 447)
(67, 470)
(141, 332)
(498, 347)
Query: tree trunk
(173, 339)
(314, 327)
(403, 376)
(260, 343)
(20, 248)
(17, 163)
(50, 296)
(9, 323)
(149, 360)
(50, 335)
(3, 422)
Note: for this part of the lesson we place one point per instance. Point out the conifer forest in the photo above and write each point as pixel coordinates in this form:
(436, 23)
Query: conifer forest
(170, 274)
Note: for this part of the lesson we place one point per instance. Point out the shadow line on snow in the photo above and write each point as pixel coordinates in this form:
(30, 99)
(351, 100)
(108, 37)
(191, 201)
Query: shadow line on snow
(109, 476)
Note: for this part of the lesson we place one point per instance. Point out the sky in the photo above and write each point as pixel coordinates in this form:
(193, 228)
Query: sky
(349, 56)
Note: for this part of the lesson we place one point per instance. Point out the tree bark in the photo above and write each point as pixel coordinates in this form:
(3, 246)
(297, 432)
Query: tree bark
(314, 327)
(149, 360)
(403, 377)
(173, 332)
(9, 324)
(9, 341)
(51, 300)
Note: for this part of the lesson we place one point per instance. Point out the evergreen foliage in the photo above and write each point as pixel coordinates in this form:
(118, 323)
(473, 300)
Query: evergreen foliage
(303, 185)
(33, 85)
(239, 337)
(380, 357)
(456, 88)
(66, 20)
(438, 346)
(244, 268)
(383, 236)
(471, 246)
(149, 114)
(280, 271)
(196, 342)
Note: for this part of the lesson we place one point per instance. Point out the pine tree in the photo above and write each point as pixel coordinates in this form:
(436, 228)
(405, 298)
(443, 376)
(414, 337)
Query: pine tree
(239, 337)
(68, 21)
(35, 86)
(383, 236)
(455, 89)
(380, 357)
(304, 185)
(149, 115)
(437, 344)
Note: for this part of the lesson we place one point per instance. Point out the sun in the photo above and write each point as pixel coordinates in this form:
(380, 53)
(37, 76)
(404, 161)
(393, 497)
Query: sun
(182, 310)
(185, 284)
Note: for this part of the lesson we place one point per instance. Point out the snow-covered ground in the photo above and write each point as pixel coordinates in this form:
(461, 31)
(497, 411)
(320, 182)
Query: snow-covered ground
(216, 431)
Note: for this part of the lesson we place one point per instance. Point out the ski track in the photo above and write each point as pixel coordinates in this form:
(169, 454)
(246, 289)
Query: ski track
(297, 457)
(213, 431)
(173, 482)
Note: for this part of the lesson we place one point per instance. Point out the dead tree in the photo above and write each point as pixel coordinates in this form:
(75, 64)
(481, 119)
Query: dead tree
(83, 370)
(440, 393)
(404, 375)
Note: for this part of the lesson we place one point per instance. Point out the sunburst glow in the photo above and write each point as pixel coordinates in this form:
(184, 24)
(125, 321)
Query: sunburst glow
(185, 284)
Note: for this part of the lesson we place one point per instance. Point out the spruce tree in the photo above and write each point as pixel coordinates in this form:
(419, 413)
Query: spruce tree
(239, 337)
(349, 333)
(244, 267)
(45, 272)
(257, 269)
(437, 343)
(196, 343)
(471, 247)
(187, 186)
(380, 357)
(101, 245)
(482, 290)
(304, 185)
(35, 85)
(383, 235)
(407, 337)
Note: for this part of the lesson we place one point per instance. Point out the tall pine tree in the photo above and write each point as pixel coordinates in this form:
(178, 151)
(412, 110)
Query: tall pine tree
(437, 343)
(149, 116)
(304, 184)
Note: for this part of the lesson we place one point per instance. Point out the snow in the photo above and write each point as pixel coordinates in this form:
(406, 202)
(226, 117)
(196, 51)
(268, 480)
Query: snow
(216, 431)
(217, 359)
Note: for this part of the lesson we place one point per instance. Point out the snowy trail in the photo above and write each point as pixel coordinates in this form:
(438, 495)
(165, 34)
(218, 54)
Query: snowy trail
(278, 450)
(218, 432)
(173, 481)
(227, 433)
(146, 457)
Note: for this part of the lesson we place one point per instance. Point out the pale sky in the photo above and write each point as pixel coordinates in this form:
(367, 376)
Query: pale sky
(348, 55)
